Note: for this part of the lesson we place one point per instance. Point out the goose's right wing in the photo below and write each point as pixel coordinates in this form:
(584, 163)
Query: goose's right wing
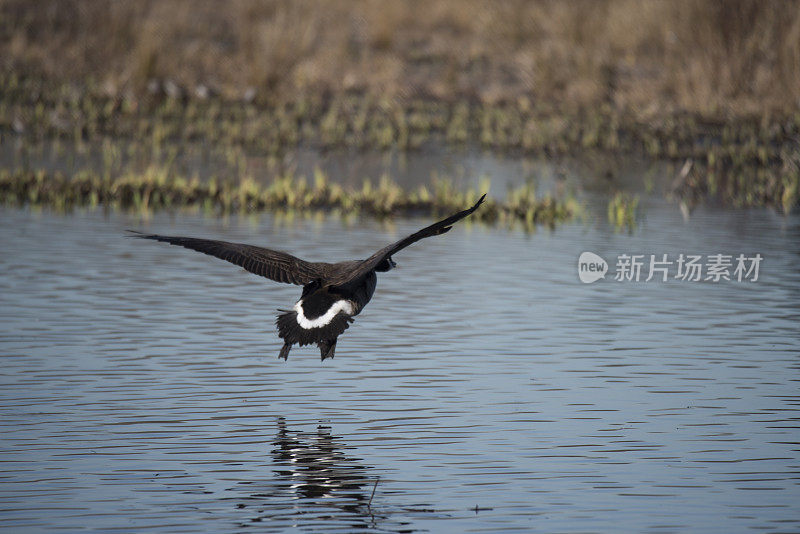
(437, 228)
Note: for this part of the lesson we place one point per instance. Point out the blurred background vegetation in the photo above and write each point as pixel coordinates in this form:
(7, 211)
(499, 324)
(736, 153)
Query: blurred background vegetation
(714, 82)
(699, 56)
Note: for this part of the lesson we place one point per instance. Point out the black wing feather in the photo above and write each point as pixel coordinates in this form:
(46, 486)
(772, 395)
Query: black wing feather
(272, 264)
(436, 228)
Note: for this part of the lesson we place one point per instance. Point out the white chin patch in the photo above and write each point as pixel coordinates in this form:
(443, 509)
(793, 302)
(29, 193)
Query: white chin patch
(323, 320)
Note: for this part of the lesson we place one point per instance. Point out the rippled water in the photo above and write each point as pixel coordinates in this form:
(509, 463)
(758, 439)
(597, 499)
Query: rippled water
(483, 389)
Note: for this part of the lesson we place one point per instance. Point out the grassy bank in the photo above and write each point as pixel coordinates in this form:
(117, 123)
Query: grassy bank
(717, 83)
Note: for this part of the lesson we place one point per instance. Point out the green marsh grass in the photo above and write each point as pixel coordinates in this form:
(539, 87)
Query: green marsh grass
(622, 211)
(159, 188)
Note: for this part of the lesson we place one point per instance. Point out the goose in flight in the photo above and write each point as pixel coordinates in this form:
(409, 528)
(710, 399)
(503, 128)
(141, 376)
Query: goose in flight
(333, 293)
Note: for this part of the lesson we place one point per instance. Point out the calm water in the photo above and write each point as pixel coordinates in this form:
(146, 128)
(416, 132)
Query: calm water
(484, 388)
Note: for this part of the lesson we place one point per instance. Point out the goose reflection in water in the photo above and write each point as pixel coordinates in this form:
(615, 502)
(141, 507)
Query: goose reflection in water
(316, 465)
(317, 483)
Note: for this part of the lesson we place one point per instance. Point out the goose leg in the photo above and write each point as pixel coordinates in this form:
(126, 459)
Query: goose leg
(327, 348)
(285, 351)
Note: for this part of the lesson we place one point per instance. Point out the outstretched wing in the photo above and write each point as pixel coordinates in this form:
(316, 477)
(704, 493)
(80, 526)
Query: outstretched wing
(437, 228)
(271, 264)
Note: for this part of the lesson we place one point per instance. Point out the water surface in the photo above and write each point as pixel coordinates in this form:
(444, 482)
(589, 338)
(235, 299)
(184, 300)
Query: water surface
(483, 389)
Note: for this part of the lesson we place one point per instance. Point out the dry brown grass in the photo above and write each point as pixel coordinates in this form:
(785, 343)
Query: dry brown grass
(698, 56)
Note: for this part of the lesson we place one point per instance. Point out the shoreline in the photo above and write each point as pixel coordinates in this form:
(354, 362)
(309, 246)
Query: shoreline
(738, 161)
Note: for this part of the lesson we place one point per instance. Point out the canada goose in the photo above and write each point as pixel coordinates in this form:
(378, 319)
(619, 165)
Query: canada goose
(333, 293)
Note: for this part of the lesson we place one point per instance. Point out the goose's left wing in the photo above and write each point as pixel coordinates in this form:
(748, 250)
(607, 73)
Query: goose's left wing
(272, 264)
